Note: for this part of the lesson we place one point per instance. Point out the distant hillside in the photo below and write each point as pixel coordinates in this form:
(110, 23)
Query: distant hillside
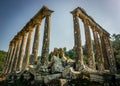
(3, 55)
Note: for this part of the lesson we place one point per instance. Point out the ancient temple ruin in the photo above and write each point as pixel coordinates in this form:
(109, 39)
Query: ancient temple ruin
(63, 70)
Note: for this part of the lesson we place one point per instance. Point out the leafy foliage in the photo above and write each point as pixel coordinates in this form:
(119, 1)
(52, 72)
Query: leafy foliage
(3, 55)
(70, 53)
(116, 49)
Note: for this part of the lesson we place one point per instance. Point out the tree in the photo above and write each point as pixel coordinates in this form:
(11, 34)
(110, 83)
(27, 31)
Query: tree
(3, 56)
(116, 48)
(70, 54)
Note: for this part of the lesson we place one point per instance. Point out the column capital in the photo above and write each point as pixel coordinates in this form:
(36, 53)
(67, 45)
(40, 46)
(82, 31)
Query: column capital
(93, 28)
(107, 37)
(92, 24)
(75, 14)
(29, 29)
(13, 41)
(101, 33)
(36, 21)
(16, 37)
(85, 20)
(11, 44)
(30, 23)
(23, 32)
(46, 11)
(20, 37)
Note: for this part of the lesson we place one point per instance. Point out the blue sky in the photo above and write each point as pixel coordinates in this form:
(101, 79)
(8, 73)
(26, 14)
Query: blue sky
(14, 14)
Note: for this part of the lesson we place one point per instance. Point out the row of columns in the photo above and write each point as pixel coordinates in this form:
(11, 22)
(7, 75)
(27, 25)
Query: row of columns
(103, 51)
(20, 47)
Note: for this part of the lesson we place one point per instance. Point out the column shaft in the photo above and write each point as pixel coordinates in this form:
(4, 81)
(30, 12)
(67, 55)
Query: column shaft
(89, 46)
(17, 54)
(78, 44)
(36, 43)
(10, 58)
(28, 47)
(13, 57)
(106, 63)
(22, 51)
(99, 57)
(46, 41)
(110, 56)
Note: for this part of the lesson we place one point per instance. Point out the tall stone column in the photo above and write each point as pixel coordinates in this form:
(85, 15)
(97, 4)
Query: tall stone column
(10, 57)
(89, 45)
(28, 47)
(103, 46)
(17, 53)
(22, 51)
(99, 57)
(46, 41)
(78, 43)
(13, 56)
(36, 43)
(110, 54)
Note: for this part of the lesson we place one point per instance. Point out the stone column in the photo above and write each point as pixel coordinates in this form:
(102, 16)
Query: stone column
(17, 53)
(99, 57)
(89, 46)
(36, 43)
(110, 54)
(13, 56)
(28, 47)
(103, 46)
(46, 41)
(22, 51)
(78, 43)
(10, 57)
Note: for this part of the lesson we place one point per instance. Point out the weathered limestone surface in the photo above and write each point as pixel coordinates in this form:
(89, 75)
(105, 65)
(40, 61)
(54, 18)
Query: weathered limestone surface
(13, 56)
(46, 41)
(56, 65)
(17, 53)
(104, 51)
(89, 46)
(22, 51)
(99, 56)
(111, 58)
(70, 73)
(48, 78)
(77, 42)
(27, 51)
(36, 43)
(10, 58)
